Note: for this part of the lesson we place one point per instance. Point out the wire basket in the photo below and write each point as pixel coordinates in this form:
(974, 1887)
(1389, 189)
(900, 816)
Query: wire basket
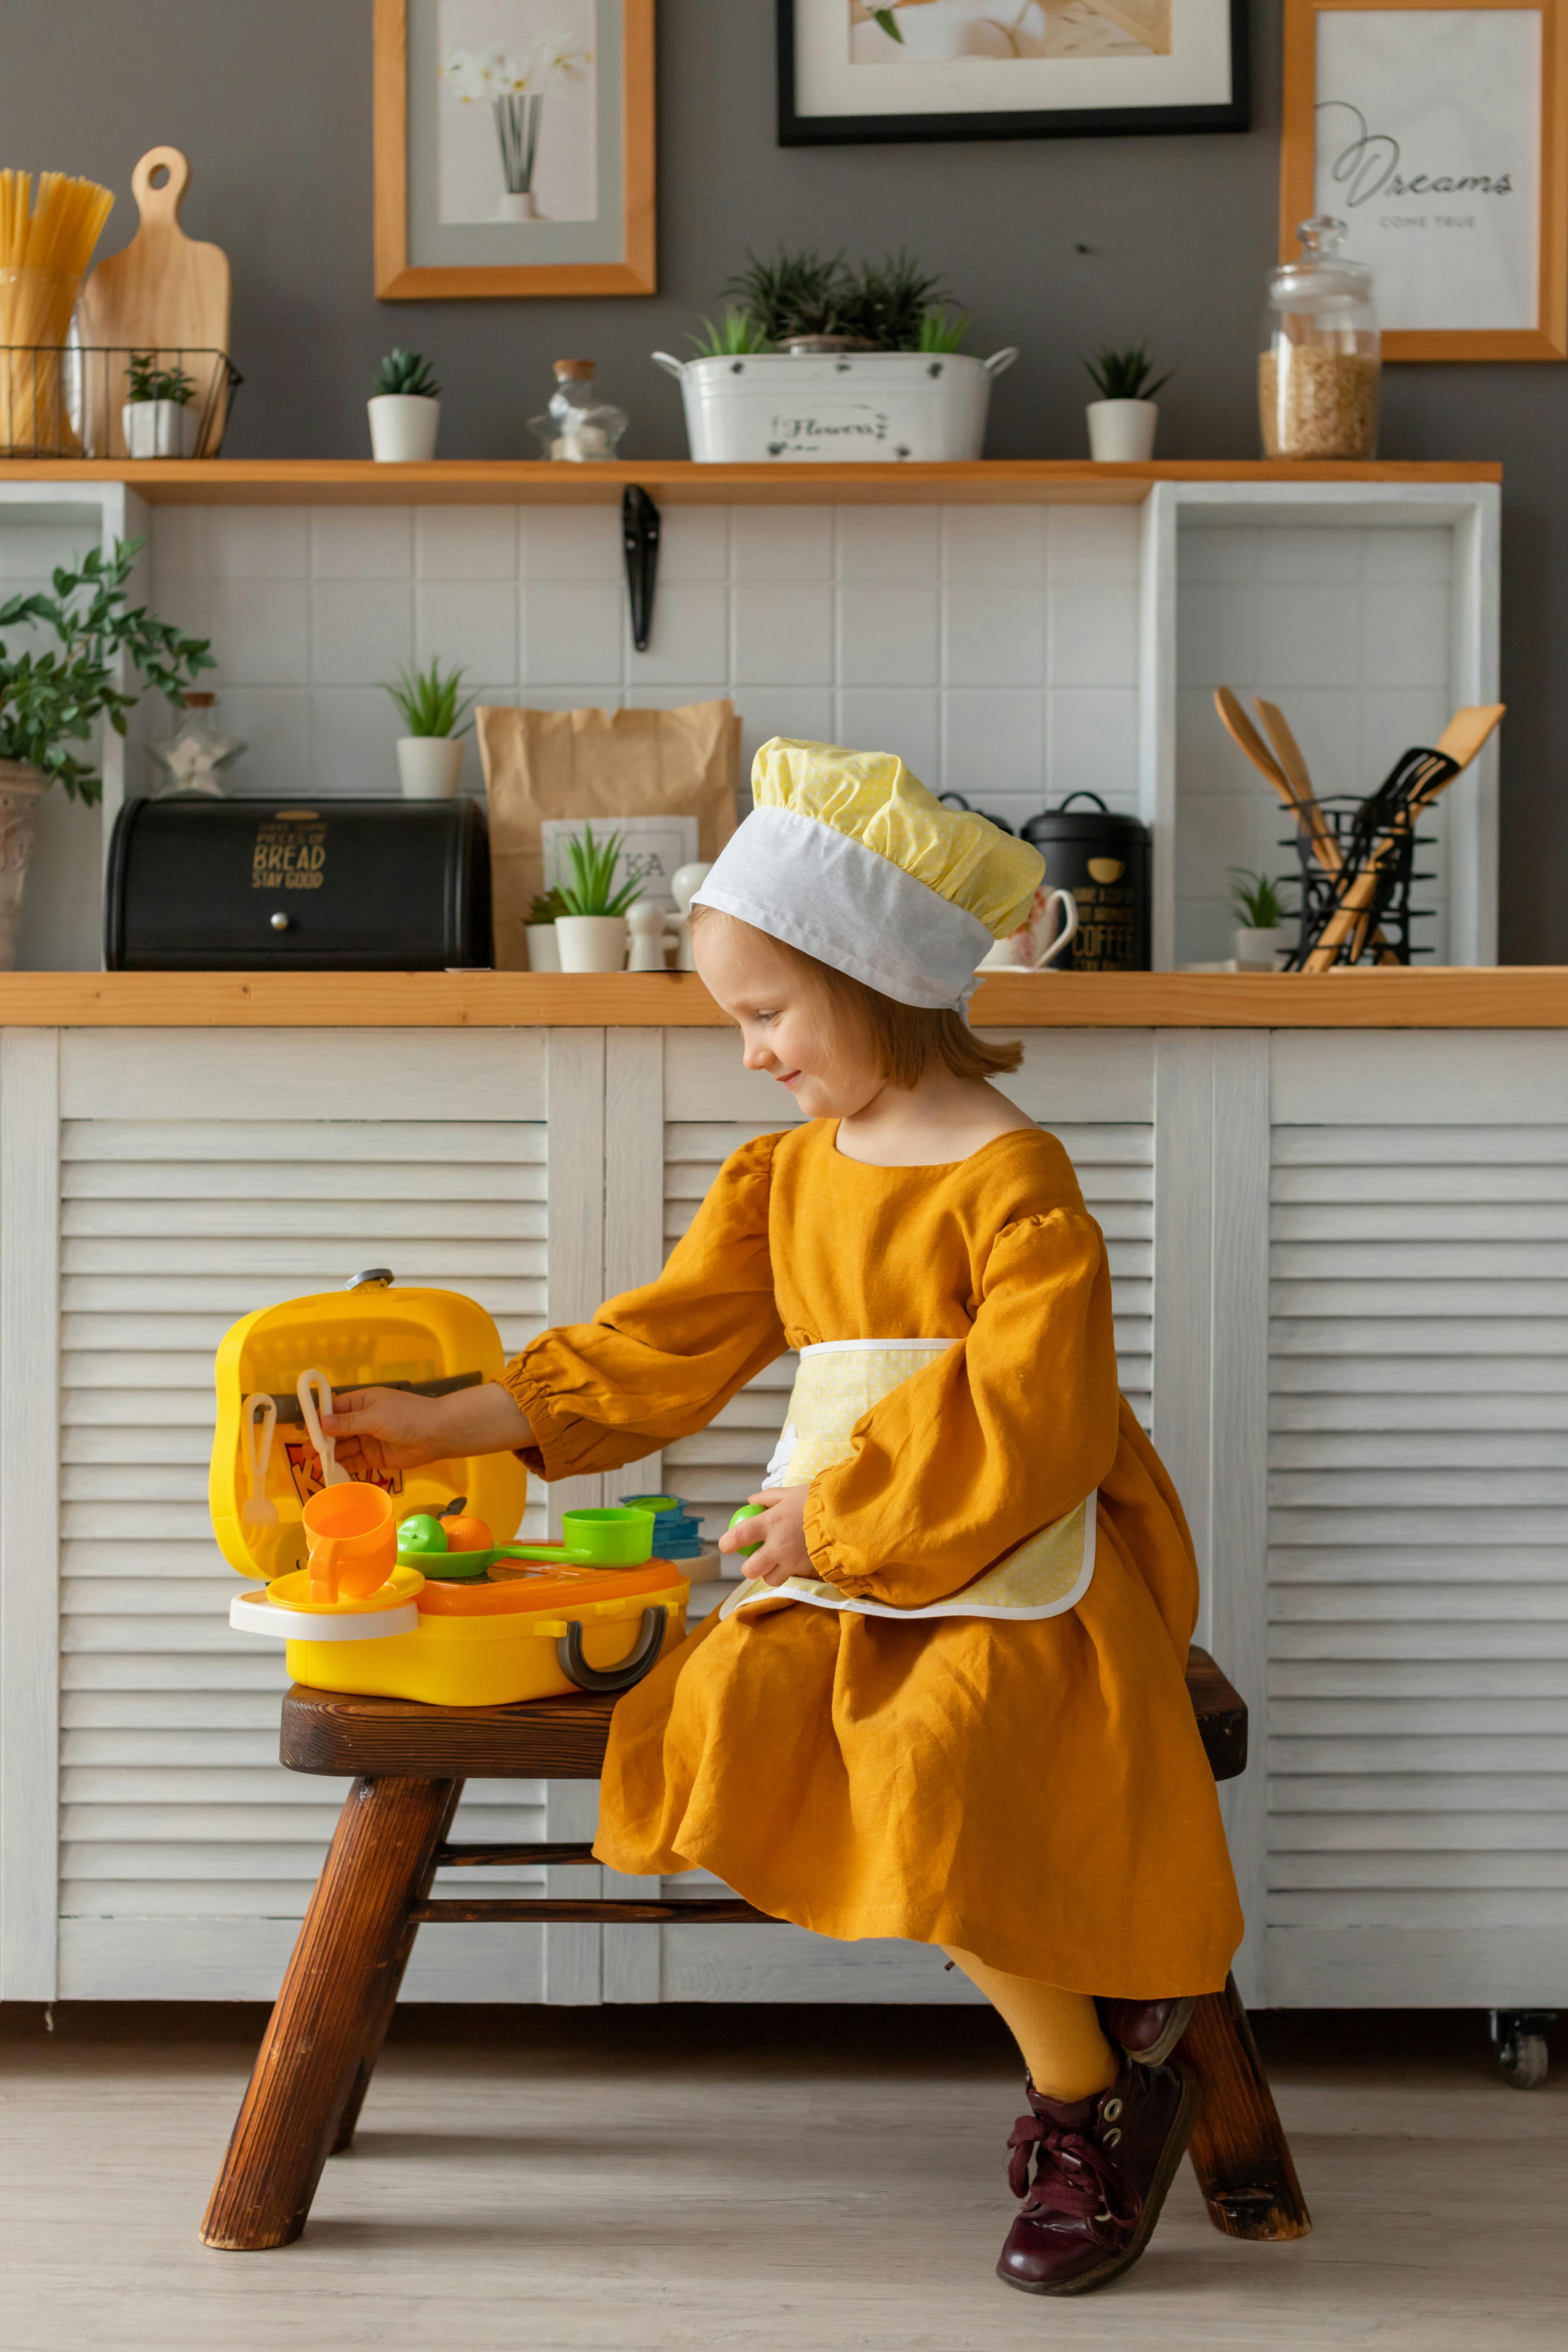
(1385, 936)
(72, 400)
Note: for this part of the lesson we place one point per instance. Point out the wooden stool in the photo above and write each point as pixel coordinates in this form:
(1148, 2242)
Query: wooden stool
(409, 1763)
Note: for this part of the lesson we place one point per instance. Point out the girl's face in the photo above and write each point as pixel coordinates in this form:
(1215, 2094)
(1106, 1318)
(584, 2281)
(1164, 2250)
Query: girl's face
(785, 1028)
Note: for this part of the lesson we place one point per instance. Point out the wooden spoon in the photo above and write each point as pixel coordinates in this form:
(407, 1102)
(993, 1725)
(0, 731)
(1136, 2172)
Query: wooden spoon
(1467, 730)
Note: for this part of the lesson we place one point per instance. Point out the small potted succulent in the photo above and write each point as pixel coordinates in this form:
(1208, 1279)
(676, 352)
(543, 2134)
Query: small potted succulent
(51, 702)
(1263, 934)
(820, 358)
(591, 931)
(404, 408)
(430, 755)
(1123, 422)
(158, 417)
(544, 948)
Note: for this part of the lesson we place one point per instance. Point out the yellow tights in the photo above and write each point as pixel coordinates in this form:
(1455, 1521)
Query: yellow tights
(1058, 2032)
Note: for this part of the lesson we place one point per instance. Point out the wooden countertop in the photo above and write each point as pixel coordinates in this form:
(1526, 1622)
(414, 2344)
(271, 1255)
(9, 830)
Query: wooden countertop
(1513, 996)
(461, 481)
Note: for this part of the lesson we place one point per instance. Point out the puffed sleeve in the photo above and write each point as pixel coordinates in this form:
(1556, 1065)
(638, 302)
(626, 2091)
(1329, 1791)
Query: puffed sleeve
(1008, 1431)
(658, 1363)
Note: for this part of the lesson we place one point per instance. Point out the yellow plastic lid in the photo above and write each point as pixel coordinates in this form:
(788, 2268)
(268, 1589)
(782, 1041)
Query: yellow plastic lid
(374, 1335)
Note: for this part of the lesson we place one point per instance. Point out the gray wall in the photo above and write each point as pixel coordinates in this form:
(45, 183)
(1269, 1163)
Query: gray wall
(271, 100)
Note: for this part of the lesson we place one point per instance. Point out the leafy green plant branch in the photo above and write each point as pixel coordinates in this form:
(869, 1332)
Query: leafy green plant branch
(593, 865)
(52, 700)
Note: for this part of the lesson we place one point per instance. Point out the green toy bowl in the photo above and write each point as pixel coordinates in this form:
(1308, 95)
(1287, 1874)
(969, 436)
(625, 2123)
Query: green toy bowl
(448, 1567)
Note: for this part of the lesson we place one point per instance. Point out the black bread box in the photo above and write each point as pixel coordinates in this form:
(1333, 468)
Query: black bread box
(199, 884)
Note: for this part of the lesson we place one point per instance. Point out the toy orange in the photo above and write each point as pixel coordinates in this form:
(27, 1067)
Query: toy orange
(468, 1535)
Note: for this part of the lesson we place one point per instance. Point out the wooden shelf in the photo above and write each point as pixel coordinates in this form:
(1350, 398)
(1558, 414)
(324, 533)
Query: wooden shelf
(1510, 997)
(457, 482)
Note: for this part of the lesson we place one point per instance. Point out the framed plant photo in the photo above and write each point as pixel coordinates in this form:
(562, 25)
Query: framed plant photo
(1438, 131)
(514, 148)
(867, 70)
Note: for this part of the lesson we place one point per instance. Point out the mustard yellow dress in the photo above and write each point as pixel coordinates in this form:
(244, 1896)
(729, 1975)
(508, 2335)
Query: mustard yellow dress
(969, 1725)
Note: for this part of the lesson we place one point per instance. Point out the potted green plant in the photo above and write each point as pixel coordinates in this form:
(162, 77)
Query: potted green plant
(591, 929)
(1263, 933)
(819, 357)
(1123, 421)
(544, 948)
(158, 417)
(430, 755)
(404, 408)
(51, 702)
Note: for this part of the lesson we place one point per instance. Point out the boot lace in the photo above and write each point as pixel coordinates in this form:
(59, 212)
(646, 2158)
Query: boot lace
(1075, 2179)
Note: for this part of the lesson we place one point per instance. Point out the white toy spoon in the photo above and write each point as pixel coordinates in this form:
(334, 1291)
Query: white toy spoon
(314, 1391)
(258, 1421)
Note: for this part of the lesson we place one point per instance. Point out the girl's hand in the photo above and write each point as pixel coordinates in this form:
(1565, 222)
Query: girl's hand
(388, 1429)
(782, 1528)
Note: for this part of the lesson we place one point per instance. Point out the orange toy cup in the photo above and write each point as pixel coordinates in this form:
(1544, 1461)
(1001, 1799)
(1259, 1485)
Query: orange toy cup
(353, 1538)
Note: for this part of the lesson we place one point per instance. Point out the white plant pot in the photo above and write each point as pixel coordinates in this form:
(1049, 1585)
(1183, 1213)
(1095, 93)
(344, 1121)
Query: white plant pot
(21, 789)
(430, 766)
(402, 427)
(1257, 950)
(159, 428)
(543, 947)
(591, 942)
(1122, 432)
(517, 204)
(856, 406)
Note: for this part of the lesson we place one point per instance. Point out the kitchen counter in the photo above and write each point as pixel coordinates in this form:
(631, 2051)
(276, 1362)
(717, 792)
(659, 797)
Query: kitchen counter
(1512, 996)
(1338, 1241)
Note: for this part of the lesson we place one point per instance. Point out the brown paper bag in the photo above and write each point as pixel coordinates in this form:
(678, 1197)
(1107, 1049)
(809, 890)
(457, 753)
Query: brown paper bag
(599, 764)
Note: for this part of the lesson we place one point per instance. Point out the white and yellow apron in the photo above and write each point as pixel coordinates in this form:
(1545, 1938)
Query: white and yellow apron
(838, 1382)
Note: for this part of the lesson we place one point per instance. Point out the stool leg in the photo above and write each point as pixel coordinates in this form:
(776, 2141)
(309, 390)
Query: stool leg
(352, 1933)
(385, 1999)
(1239, 2150)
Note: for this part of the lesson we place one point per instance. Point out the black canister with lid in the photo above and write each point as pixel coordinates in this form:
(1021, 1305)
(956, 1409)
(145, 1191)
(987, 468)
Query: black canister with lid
(1103, 860)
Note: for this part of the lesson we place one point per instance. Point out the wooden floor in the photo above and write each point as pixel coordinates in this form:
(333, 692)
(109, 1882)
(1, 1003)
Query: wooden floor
(754, 2179)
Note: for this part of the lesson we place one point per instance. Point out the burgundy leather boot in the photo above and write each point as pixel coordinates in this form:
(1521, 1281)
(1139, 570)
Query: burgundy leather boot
(1101, 2168)
(1147, 2029)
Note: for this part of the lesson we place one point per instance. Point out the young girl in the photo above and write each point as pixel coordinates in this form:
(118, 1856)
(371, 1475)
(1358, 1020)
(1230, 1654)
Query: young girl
(948, 1703)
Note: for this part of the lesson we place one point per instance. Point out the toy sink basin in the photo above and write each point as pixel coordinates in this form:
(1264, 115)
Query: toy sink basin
(535, 1634)
(374, 1335)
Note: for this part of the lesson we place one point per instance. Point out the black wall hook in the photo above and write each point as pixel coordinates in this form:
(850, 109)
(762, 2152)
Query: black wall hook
(639, 534)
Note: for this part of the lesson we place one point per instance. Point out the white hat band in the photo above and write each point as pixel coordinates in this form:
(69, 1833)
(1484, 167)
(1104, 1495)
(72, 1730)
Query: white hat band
(824, 892)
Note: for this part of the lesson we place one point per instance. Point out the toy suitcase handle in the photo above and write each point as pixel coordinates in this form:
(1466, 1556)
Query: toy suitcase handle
(607, 1679)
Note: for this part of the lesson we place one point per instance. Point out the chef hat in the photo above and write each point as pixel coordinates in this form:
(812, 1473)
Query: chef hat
(847, 856)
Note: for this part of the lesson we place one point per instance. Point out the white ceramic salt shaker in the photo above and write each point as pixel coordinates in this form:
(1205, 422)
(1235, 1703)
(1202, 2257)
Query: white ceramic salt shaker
(645, 920)
(684, 884)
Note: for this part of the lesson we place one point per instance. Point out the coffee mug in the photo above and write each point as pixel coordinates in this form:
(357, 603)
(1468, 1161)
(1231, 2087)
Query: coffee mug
(352, 1542)
(1021, 951)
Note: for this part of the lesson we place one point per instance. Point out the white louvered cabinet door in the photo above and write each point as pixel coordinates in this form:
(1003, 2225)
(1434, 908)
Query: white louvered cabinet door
(187, 1853)
(1419, 1562)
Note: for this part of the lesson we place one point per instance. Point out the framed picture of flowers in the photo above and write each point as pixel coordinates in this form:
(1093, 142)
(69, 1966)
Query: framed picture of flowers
(514, 148)
(861, 71)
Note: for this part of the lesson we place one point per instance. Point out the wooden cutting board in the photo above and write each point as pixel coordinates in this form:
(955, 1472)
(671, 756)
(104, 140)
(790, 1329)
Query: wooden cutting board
(163, 293)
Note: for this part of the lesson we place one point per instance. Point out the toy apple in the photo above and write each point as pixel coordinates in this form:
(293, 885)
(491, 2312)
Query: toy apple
(422, 1532)
(748, 1511)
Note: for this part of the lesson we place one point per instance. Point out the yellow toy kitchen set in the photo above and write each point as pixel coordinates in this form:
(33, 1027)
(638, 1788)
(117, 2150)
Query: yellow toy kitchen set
(394, 1584)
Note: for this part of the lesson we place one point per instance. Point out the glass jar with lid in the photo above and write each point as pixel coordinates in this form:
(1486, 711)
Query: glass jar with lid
(578, 426)
(1319, 370)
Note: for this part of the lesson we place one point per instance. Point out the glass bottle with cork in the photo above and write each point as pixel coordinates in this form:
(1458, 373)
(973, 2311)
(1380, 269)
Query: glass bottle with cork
(578, 426)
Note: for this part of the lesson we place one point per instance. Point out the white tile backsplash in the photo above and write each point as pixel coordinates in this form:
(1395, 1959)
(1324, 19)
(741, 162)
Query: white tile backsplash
(465, 542)
(469, 622)
(361, 630)
(1348, 630)
(258, 543)
(995, 649)
(887, 632)
(994, 633)
(783, 633)
(362, 543)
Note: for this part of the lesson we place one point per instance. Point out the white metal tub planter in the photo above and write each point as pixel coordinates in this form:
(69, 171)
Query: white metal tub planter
(817, 361)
